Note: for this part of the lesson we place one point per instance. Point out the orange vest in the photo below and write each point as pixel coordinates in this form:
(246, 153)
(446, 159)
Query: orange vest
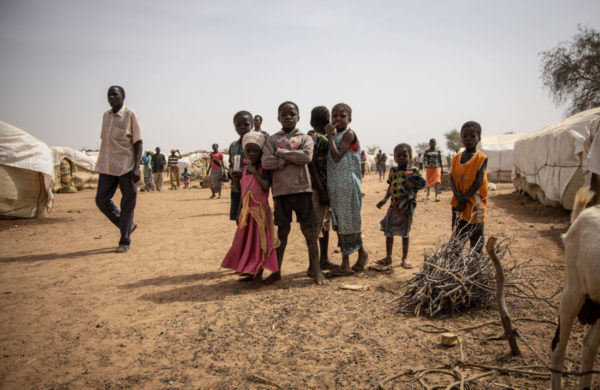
(463, 176)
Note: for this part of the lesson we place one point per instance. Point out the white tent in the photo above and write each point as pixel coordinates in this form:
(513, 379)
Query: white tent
(82, 167)
(552, 163)
(26, 174)
(499, 149)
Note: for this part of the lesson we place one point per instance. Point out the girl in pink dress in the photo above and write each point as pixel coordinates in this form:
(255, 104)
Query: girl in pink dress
(254, 243)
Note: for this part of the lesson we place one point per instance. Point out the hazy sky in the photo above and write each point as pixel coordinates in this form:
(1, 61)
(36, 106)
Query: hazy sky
(410, 70)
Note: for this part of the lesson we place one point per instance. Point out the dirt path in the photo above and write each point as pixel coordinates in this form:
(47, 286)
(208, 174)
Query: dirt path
(165, 315)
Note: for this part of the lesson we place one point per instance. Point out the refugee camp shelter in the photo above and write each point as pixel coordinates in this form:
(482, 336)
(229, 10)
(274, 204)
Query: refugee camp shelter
(26, 174)
(552, 163)
(500, 150)
(82, 168)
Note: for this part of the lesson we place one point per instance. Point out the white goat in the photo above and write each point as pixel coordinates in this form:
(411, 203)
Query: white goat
(581, 297)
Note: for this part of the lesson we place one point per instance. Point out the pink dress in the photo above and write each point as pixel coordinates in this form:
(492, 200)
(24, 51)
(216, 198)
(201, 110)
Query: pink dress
(254, 243)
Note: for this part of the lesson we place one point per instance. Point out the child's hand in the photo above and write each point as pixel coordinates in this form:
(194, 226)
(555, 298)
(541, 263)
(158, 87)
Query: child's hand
(380, 204)
(251, 169)
(329, 129)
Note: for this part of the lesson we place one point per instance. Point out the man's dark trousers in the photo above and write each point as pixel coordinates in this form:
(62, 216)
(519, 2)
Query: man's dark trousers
(107, 186)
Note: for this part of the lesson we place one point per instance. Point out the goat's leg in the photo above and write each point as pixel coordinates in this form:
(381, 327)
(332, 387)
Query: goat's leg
(570, 304)
(590, 349)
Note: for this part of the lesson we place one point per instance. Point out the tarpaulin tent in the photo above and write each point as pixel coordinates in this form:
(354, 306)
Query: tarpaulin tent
(26, 174)
(552, 163)
(82, 167)
(499, 149)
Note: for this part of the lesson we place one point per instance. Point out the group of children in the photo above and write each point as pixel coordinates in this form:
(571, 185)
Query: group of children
(318, 177)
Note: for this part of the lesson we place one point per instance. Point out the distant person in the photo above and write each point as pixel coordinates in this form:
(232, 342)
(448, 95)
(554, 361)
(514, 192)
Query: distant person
(258, 125)
(215, 171)
(380, 164)
(344, 183)
(254, 245)
(432, 160)
(119, 164)
(159, 162)
(448, 160)
(172, 162)
(363, 163)
(469, 183)
(243, 122)
(287, 154)
(147, 163)
(185, 177)
(420, 161)
(404, 183)
(319, 118)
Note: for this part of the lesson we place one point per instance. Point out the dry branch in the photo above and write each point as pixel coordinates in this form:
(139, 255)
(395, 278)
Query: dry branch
(509, 333)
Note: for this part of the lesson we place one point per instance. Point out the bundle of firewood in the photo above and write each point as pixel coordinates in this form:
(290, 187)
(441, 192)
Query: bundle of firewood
(454, 277)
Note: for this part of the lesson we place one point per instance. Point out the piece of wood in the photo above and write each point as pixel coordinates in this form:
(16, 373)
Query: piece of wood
(355, 287)
(511, 335)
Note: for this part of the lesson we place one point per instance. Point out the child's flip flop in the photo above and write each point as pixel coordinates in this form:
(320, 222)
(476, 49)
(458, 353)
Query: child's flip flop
(383, 262)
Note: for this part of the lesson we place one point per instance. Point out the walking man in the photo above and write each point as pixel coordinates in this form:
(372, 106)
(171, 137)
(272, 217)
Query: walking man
(119, 164)
(159, 162)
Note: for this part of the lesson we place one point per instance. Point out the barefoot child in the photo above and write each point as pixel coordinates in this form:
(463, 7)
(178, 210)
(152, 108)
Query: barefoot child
(287, 154)
(469, 183)
(344, 181)
(185, 177)
(242, 121)
(253, 247)
(319, 118)
(404, 182)
(432, 159)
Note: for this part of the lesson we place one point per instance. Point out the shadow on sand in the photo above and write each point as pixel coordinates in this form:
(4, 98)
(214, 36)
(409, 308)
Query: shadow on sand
(218, 290)
(164, 280)
(530, 212)
(56, 256)
(9, 223)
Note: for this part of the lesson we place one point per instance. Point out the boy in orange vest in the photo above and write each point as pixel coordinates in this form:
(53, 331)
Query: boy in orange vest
(468, 179)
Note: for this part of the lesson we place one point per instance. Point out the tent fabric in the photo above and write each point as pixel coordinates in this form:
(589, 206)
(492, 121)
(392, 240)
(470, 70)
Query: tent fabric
(27, 174)
(82, 167)
(591, 147)
(549, 163)
(499, 150)
(75, 156)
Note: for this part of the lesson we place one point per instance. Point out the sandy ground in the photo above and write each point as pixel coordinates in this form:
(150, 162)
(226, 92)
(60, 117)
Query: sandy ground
(75, 314)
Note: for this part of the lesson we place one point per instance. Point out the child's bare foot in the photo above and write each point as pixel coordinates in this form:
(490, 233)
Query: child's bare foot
(327, 265)
(363, 259)
(384, 261)
(405, 264)
(274, 277)
(320, 278)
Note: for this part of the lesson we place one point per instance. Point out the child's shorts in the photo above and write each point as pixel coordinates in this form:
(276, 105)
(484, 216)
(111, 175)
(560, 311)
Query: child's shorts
(396, 223)
(300, 203)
